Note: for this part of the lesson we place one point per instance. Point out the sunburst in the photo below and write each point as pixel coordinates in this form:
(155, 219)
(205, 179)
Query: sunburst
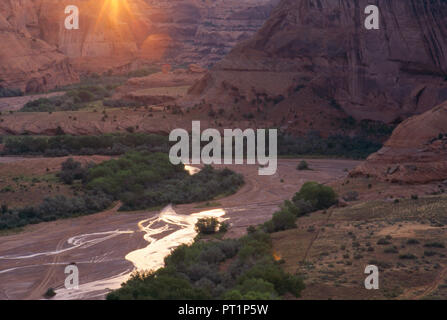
(113, 11)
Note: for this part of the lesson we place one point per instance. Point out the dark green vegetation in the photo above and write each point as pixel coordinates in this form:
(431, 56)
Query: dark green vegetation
(90, 89)
(143, 180)
(71, 101)
(228, 269)
(311, 197)
(5, 92)
(139, 179)
(119, 143)
(303, 165)
(207, 225)
(50, 293)
(358, 147)
(63, 145)
(57, 207)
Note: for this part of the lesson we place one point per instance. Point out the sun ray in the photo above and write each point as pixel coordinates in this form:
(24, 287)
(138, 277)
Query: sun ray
(112, 11)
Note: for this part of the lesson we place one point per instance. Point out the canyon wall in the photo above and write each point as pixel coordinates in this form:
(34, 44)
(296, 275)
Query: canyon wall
(415, 153)
(322, 46)
(118, 34)
(204, 31)
(26, 61)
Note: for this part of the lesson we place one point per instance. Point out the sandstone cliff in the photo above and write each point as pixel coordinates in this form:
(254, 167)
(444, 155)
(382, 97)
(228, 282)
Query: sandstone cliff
(183, 31)
(415, 153)
(322, 46)
(118, 35)
(204, 31)
(27, 62)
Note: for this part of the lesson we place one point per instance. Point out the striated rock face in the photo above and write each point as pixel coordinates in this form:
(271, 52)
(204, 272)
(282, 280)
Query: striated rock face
(415, 153)
(118, 35)
(108, 36)
(112, 33)
(27, 62)
(204, 31)
(322, 45)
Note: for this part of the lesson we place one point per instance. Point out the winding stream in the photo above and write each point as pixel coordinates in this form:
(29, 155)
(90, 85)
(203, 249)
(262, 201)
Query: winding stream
(180, 230)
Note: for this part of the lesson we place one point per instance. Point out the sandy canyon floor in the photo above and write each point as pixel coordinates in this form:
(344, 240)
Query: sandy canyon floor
(329, 248)
(34, 260)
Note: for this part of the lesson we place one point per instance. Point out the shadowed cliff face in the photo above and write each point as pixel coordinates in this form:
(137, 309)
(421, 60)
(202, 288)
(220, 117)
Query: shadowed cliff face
(204, 31)
(415, 153)
(323, 45)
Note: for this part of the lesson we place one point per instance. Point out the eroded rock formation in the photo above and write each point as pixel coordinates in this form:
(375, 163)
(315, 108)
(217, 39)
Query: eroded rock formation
(160, 87)
(322, 45)
(118, 35)
(415, 153)
(27, 62)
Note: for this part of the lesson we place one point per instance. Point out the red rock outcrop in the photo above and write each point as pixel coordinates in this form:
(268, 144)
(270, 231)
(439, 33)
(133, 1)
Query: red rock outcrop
(27, 62)
(415, 153)
(112, 33)
(118, 35)
(386, 74)
(204, 31)
(160, 87)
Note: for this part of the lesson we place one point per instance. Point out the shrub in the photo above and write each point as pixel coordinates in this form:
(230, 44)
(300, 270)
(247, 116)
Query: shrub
(320, 196)
(304, 207)
(224, 227)
(391, 250)
(434, 245)
(302, 166)
(283, 220)
(429, 253)
(408, 256)
(383, 241)
(251, 229)
(351, 196)
(72, 170)
(50, 293)
(207, 225)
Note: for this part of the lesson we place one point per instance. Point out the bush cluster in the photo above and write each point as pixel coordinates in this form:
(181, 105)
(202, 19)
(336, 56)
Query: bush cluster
(54, 208)
(63, 145)
(71, 101)
(143, 180)
(311, 197)
(358, 147)
(195, 272)
(5, 92)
